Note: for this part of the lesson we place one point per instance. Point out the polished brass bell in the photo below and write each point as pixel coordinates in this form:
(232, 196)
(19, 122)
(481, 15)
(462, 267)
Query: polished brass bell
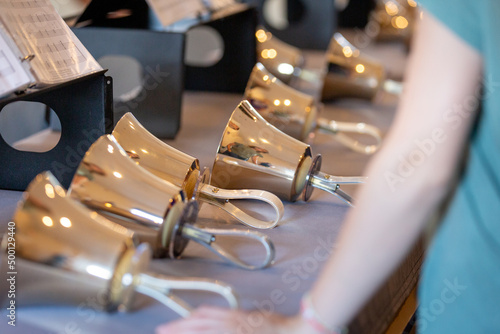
(393, 20)
(352, 75)
(109, 181)
(283, 60)
(296, 113)
(66, 254)
(183, 171)
(254, 154)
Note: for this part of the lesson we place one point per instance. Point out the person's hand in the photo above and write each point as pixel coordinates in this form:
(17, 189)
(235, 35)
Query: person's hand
(212, 320)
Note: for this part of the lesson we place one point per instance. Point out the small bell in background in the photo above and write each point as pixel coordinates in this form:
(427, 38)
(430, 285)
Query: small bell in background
(296, 113)
(350, 74)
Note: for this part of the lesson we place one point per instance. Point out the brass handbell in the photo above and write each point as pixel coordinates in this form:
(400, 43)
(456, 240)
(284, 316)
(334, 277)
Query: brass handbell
(296, 113)
(281, 59)
(66, 254)
(254, 154)
(109, 181)
(183, 171)
(350, 74)
(393, 20)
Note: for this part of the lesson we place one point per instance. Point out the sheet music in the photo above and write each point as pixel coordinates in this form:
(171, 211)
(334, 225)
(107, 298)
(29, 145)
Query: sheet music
(13, 75)
(171, 11)
(38, 30)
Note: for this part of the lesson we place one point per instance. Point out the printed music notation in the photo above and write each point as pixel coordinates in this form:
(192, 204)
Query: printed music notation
(37, 29)
(29, 4)
(37, 18)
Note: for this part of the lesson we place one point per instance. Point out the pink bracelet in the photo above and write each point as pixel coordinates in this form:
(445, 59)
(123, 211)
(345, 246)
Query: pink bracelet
(311, 316)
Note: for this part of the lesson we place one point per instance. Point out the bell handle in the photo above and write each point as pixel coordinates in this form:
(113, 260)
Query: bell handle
(207, 238)
(160, 287)
(393, 87)
(339, 130)
(221, 198)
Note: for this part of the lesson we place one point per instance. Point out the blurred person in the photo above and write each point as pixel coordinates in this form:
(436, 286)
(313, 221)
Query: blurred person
(443, 147)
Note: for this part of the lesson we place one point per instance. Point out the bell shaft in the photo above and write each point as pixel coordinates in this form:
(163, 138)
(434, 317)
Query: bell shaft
(331, 184)
(208, 238)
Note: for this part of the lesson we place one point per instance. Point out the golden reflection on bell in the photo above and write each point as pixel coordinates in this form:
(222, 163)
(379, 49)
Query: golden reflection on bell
(352, 75)
(109, 181)
(296, 113)
(253, 153)
(281, 59)
(393, 20)
(183, 171)
(68, 254)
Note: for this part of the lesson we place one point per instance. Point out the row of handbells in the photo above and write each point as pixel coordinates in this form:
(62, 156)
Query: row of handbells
(133, 197)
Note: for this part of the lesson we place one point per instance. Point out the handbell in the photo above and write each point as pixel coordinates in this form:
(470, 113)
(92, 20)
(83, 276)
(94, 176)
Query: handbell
(65, 254)
(296, 113)
(183, 171)
(350, 74)
(393, 20)
(281, 59)
(109, 181)
(253, 153)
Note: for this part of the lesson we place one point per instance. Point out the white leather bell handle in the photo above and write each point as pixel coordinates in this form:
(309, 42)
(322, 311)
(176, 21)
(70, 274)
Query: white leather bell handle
(207, 237)
(160, 288)
(338, 129)
(221, 198)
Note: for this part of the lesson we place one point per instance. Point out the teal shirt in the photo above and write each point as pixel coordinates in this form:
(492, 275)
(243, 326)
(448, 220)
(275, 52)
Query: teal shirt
(460, 284)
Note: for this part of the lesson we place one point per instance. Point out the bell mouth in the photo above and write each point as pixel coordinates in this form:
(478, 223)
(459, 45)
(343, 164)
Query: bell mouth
(177, 243)
(202, 179)
(315, 167)
(191, 181)
(300, 177)
(121, 290)
(172, 218)
(311, 114)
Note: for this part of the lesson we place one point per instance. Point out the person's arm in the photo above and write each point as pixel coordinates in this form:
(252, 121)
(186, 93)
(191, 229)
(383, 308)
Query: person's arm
(410, 175)
(443, 77)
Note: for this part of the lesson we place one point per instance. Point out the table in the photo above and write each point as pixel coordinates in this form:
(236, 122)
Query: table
(303, 239)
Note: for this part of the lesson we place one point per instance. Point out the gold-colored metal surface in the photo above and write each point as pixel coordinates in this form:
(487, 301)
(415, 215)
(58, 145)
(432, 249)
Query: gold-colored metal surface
(254, 154)
(289, 110)
(183, 170)
(296, 113)
(109, 181)
(393, 20)
(283, 60)
(68, 254)
(349, 73)
(157, 157)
